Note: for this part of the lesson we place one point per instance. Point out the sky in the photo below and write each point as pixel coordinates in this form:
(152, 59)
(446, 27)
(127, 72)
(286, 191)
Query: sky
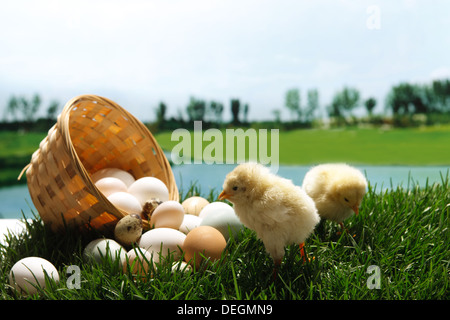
(138, 53)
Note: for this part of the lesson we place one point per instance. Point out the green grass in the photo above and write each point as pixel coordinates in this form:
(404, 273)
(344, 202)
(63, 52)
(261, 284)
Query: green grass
(412, 146)
(16, 149)
(403, 232)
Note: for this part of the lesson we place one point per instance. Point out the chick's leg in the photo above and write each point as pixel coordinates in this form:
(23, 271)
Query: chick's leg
(303, 254)
(275, 269)
(344, 229)
(276, 252)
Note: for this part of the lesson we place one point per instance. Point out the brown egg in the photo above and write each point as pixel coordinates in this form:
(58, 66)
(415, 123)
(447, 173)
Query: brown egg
(203, 240)
(194, 205)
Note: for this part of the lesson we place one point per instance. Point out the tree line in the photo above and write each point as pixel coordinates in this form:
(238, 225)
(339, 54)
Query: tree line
(406, 104)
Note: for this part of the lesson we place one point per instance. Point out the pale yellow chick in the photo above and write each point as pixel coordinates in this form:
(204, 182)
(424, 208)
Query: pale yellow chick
(278, 211)
(337, 190)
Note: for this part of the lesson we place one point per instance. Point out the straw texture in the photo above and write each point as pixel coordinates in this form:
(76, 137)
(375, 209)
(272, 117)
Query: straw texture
(91, 133)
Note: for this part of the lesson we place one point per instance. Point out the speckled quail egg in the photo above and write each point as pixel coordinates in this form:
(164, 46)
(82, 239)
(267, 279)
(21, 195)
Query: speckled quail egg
(128, 230)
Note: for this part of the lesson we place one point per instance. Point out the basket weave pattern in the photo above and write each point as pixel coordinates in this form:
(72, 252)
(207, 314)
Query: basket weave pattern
(91, 133)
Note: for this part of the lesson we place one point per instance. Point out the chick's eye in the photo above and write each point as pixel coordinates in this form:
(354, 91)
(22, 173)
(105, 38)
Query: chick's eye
(235, 188)
(346, 200)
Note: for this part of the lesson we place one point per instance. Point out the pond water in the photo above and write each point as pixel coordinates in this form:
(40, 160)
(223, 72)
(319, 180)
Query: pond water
(14, 200)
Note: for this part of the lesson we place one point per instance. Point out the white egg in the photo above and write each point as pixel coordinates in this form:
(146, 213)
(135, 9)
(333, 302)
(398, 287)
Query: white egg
(126, 177)
(125, 202)
(181, 266)
(168, 214)
(215, 207)
(110, 185)
(30, 272)
(190, 222)
(147, 188)
(161, 241)
(225, 221)
(139, 260)
(100, 249)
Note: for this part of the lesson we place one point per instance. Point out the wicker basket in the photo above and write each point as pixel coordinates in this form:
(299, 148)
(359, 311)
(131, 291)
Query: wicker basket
(90, 134)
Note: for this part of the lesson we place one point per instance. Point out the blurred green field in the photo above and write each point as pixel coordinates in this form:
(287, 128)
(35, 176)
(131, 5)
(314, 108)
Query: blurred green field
(413, 146)
(16, 149)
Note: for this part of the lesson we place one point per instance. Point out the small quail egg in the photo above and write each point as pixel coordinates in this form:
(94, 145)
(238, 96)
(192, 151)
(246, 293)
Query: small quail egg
(128, 230)
(149, 207)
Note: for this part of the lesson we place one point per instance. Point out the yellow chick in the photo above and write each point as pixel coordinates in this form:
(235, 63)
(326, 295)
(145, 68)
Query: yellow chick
(278, 211)
(337, 190)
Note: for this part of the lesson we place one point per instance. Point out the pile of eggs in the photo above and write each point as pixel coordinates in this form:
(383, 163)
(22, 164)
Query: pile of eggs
(194, 230)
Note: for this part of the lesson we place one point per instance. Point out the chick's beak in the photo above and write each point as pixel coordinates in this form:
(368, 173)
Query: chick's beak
(355, 208)
(223, 195)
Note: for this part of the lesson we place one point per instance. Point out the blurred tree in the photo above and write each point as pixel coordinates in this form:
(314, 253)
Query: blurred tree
(21, 105)
(407, 99)
(216, 110)
(52, 110)
(292, 103)
(161, 112)
(161, 115)
(277, 115)
(370, 105)
(441, 94)
(399, 99)
(235, 108)
(196, 109)
(13, 107)
(312, 104)
(343, 103)
(29, 108)
(246, 107)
